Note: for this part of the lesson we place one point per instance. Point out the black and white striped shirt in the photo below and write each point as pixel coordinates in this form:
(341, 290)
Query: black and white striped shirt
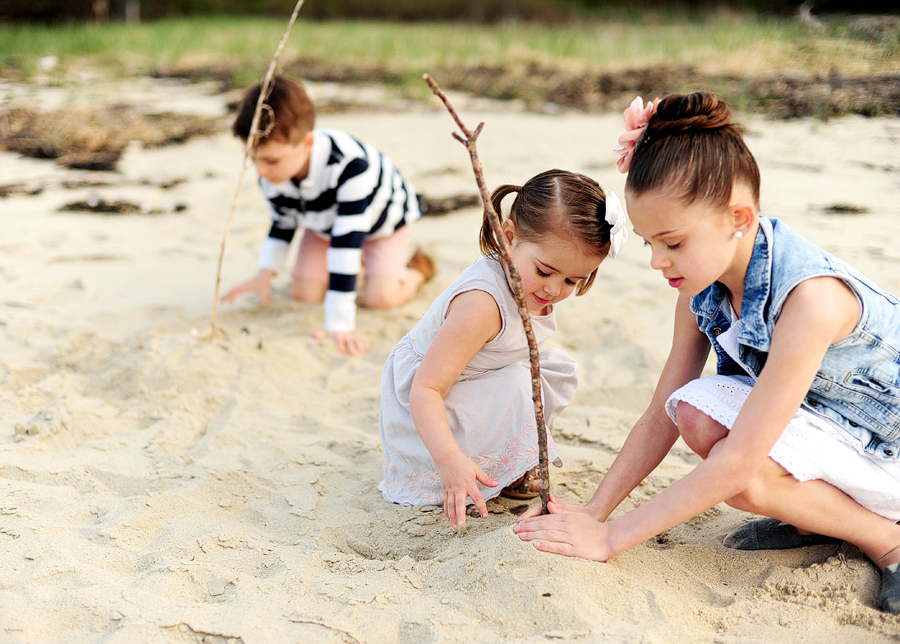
(352, 193)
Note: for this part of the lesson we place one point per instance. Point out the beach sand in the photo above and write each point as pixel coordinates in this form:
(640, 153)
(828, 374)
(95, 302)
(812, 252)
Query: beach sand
(156, 487)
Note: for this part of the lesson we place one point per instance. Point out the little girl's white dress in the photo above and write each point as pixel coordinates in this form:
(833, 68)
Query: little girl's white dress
(489, 407)
(811, 446)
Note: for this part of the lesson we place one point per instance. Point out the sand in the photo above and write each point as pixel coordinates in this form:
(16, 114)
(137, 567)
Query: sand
(155, 487)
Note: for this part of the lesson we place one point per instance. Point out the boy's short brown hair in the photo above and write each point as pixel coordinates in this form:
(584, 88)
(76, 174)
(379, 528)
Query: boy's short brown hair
(287, 115)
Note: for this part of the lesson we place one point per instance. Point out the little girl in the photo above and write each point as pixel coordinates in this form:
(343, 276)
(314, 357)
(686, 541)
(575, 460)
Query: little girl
(802, 421)
(457, 419)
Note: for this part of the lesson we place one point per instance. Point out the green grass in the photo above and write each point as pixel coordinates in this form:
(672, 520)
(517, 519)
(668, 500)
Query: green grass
(722, 43)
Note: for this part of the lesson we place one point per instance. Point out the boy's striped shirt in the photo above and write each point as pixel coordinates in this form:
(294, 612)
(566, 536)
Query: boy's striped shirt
(352, 193)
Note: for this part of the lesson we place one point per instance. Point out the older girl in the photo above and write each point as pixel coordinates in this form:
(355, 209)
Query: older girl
(802, 421)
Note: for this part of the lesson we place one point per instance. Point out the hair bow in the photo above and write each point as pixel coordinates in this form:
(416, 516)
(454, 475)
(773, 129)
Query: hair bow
(637, 116)
(615, 217)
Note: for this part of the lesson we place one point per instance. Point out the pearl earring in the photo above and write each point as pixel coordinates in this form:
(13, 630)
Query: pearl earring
(738, 234)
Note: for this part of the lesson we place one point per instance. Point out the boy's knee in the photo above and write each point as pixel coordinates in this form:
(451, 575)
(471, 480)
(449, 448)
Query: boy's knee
(382, 292)
(308, 291)
(378, 300)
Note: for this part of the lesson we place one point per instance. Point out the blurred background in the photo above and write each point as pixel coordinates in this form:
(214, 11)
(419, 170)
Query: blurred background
(455, 10)
(784, 59)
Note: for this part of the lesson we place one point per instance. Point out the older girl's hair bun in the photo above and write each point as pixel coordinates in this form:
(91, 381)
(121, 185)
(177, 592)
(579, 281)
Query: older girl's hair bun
(682, 112)
(692, 149)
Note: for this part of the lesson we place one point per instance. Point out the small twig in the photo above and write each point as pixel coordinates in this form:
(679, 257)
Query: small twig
(516, 283)
(252, 142)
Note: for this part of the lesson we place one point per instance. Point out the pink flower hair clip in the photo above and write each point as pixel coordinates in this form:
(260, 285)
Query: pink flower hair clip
(637, 116)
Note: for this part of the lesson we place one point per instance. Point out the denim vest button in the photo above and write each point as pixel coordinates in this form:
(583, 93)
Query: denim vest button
(813, 403)
(888, 452)
(852, 424)
(717, 330)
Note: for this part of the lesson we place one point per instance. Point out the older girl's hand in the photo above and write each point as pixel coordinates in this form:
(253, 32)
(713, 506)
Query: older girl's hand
(566, 532)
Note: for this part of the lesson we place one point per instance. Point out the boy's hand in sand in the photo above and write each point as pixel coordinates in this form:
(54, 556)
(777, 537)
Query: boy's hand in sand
(573, 534)
(348, 344)
(260, 284)
(458, 478)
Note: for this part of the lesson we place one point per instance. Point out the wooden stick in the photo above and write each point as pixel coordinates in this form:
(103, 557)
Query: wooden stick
(252, 141)
(516, 283)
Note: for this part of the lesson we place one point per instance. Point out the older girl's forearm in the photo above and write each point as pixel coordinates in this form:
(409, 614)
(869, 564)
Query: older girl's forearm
(644, 449)
(713, 481)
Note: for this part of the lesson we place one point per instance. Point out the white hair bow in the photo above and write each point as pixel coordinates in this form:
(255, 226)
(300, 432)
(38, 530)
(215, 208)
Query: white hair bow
(615, 217)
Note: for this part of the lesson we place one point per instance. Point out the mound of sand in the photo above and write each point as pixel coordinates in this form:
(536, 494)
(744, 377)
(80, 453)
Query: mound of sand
(159, 488)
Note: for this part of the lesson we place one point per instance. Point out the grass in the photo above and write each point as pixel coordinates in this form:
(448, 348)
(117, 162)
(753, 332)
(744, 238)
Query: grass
(724, 43)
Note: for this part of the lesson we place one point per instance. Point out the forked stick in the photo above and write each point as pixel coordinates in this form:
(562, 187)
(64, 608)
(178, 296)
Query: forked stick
(516, 282)
(252, 141)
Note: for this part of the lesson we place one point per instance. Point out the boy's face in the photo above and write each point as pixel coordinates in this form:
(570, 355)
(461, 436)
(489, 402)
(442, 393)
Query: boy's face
(277, 161)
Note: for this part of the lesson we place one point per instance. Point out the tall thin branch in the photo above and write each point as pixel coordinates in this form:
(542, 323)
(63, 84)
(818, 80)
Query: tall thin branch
(515, 282)
(250, 148)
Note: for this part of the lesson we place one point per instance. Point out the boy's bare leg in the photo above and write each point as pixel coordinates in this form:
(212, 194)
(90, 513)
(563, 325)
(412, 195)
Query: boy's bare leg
(388, 292)
(307, 290)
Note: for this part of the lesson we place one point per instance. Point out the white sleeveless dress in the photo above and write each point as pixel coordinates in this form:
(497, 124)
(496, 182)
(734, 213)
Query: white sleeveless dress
(811, 446)
(489, 407)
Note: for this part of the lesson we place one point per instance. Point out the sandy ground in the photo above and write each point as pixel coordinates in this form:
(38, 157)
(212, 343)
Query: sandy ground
(159, 488)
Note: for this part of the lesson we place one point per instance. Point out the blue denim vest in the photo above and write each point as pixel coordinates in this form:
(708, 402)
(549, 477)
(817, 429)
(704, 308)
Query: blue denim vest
(858, 383)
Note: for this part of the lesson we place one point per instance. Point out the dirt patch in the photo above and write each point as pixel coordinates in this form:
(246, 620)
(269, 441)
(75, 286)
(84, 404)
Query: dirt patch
(435, 206)
(117, 207)
(93, 138)
(32, 188)
(783, 95)
(796, 95)
(780, 95)
(845, 209)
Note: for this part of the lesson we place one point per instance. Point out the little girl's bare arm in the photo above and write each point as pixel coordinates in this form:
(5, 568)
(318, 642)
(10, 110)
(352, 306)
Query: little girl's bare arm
(472, 320)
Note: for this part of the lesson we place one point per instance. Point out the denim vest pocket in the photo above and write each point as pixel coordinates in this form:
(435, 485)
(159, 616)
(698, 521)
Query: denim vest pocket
(887, 451)
(876, 401)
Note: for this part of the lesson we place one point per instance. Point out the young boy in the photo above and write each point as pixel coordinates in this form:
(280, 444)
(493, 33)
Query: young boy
(352, 203)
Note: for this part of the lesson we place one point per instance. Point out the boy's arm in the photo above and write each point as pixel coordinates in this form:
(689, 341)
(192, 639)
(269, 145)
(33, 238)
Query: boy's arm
(356, 188)
(275, 248)
(272, 256)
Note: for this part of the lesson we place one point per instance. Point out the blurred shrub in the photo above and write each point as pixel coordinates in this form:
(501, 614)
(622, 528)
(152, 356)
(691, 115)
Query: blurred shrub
(443, 10)
(407, 10)
(46, 10)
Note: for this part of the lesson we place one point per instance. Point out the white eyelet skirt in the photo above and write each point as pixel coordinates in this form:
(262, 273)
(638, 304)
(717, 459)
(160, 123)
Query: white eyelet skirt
(811, 446)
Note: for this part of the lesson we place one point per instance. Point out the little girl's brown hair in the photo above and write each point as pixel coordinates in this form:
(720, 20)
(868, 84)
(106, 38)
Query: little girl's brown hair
(692, 149)
(554, 202)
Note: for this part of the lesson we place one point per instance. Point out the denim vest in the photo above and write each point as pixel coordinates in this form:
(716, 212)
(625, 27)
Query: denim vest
(858, 383)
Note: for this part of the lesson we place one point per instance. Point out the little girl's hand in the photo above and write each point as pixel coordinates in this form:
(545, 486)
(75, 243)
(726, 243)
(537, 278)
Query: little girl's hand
(459, 481)
(555, 506)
